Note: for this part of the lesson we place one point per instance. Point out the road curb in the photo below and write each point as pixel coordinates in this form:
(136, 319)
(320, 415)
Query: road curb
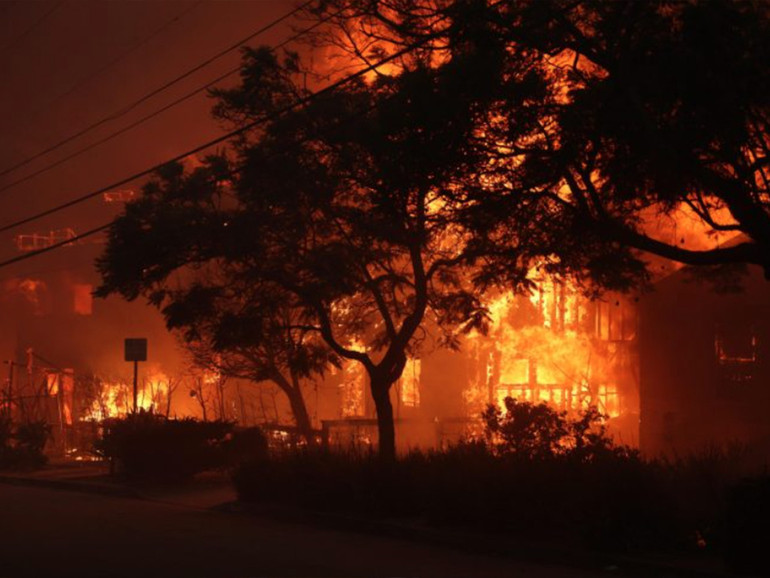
(494, 545)
(72, 485)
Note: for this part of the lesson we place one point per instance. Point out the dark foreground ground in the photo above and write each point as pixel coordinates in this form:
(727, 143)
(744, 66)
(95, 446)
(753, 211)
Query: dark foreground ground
(50, 532)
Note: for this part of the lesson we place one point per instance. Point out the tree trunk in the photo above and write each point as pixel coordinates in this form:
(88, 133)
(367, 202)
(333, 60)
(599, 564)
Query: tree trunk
(380, 386)
(301, 417)
(293, 391)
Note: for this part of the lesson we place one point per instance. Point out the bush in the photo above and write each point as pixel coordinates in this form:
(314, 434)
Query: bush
(746, 529)
(150, 446)
(537, 431)
(540, 475)
(22, 446)
(246, 444)
(613, 502)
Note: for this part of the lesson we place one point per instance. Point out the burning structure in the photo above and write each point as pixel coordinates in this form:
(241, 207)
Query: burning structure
(553, 346)
(62, 350)
(674, 370)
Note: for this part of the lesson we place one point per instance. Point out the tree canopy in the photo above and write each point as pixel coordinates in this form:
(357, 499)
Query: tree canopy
(501, 137)
(647, 108)
(349, 212)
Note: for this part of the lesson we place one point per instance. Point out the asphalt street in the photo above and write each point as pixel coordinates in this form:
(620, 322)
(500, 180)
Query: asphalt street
(47, 532)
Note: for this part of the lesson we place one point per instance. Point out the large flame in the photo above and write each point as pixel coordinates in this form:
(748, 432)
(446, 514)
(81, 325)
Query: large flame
(557, 347)
(115, 398)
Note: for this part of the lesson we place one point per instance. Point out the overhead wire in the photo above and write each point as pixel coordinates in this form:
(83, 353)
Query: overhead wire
(47, 14)
(153, 114)
(239, 131)
(131, 106)
(124, 54)
(55, 246)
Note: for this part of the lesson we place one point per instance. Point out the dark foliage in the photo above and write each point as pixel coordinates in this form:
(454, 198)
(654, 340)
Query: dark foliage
(613, 503)
(21, 446)
(643, 107)
(746, 528)
(540, 476)
(510, 135)
(537, 431)
(151, 446)
(246, 444)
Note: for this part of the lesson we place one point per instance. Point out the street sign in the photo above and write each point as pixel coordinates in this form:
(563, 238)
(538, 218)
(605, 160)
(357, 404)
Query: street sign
(136, 349)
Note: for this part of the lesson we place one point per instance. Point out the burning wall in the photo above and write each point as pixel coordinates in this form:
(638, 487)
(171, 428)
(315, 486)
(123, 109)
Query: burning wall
(562, 349)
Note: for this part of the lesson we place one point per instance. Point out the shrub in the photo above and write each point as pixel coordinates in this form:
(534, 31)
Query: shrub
(244, 445)
(537, 431)
(611, 502)
(150, 446)
(22, 446)
(746, 530)
(541, 475)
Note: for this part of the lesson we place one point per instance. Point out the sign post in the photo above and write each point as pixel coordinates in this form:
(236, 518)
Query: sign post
(135, 350)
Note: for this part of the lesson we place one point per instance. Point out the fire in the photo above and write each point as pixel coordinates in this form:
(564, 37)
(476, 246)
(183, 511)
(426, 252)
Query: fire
(33, 292)
(352, 384)
(358, 42)
(554, 346)
(409, 384)
(115, 398)
(557, 347)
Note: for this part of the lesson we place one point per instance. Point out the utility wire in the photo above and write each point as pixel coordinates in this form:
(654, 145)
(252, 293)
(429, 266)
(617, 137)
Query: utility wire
(155, 113)
(101, 228)
(149, 95)
(245, 128)
(123, 55)
(13, 43)
(56, 245)
(276, 154)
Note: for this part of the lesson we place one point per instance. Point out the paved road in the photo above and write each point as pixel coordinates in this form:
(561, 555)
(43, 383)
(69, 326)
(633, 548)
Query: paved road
(46, 532)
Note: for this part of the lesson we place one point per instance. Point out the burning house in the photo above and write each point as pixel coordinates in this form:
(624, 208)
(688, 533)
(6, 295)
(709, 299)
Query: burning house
(675, 370)
(63, 350)
(553, 346)
(679, 369)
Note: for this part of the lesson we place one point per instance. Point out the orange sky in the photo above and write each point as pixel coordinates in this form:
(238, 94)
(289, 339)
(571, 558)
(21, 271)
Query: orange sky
(59, 75)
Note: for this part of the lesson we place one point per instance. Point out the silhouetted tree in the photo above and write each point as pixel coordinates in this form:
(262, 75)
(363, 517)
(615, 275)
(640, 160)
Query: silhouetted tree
(347, 212)
(509, 135)
(240, 331)
(648, 107)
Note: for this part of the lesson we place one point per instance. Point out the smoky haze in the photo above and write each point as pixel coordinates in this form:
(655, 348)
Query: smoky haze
(67, 65)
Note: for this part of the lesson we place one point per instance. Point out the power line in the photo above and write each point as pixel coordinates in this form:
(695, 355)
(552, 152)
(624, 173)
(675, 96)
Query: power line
(153, 114)
(245, 128)
(130, 50)
(14, 42)
(282, 151)
(227, 136)
(58, 245)
(154, 92)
